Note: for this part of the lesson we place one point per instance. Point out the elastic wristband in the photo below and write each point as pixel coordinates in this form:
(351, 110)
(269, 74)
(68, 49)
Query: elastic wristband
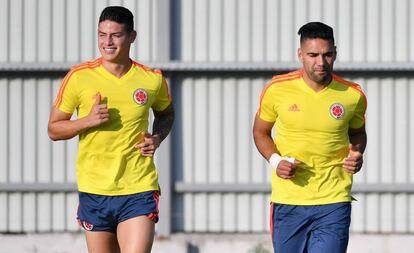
(289, 159)
(275, 159)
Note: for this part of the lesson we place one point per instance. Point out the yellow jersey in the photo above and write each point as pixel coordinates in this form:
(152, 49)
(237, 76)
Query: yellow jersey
(107, 161)
(313, 128)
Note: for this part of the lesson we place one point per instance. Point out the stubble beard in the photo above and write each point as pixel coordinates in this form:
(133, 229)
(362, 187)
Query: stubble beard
(324, 80)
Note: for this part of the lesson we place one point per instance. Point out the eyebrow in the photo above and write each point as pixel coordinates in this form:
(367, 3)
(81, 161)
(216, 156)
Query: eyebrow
(329, 52)
(111, 33)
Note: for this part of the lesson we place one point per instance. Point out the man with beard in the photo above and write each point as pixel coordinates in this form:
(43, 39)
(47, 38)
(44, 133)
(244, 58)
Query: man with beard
(318, 145)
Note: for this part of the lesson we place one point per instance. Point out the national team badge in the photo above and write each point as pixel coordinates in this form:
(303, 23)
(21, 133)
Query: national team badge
(87, 226)
(337, 111)
(140, 96)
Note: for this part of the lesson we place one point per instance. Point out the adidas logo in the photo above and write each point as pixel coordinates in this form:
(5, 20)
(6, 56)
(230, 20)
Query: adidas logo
(294, 108)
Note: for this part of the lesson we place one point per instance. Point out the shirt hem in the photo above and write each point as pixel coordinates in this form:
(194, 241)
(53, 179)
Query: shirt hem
(310, 203)
(119, 193)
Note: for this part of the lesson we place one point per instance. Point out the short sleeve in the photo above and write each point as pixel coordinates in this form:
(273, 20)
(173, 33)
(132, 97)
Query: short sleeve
(67, 99)
(163, 99)
(359, 116)
(266, 109)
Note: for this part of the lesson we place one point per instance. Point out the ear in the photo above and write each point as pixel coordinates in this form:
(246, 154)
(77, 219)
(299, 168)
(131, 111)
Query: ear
(132, 36)
(335, 53)
(300, 55)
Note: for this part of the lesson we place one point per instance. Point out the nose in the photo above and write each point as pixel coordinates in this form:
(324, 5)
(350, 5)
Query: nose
(108, 40)
(320, 60)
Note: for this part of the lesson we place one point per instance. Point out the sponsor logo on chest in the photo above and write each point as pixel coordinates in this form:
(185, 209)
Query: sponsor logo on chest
(294, 108)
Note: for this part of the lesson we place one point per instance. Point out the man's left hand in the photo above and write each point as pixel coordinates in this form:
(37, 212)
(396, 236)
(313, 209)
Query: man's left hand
(353, 163)
(149, 144)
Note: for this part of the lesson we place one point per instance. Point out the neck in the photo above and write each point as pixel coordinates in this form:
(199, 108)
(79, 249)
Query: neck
(118, 69)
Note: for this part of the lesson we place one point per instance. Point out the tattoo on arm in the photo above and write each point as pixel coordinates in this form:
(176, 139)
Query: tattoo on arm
(358, 138)
(163, 122)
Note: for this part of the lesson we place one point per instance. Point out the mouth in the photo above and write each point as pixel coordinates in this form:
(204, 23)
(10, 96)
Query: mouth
(109, 50)
(321, 71)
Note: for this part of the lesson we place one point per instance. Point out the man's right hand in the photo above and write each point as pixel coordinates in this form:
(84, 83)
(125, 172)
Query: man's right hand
(286, 170)
(99, 113)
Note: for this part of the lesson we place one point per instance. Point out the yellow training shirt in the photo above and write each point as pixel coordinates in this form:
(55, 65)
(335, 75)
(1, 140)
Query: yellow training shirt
(108, 163)
(312, 127)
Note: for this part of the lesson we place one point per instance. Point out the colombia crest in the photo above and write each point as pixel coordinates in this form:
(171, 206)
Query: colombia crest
(337, 111)
(140, 96)
(87, 226)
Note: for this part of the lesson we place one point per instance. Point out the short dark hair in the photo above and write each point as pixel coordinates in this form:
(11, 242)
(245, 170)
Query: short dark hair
(316, 30)
(120, 15)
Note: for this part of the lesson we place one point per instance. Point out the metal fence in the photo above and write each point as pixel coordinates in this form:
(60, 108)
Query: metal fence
(217, 55)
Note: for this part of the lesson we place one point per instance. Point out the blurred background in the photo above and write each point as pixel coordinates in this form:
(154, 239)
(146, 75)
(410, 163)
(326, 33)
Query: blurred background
(217, 56)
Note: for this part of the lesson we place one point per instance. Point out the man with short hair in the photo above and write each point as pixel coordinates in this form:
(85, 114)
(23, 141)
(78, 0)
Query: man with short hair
(319, 141)
(117, 179)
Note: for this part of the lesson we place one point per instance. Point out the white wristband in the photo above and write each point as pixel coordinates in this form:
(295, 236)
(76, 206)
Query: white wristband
(275, 159)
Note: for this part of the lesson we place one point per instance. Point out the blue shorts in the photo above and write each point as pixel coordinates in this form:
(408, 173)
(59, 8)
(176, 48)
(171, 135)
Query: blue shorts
(104, 213)
(310, 229)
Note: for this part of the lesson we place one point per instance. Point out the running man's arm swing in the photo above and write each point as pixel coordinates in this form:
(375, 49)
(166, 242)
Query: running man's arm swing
(357, 144)
(61, 127)
(163, 122)
(262, 133)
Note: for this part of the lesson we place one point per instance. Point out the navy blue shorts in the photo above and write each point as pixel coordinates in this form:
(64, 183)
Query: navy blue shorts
(310, 229)
(104, 213)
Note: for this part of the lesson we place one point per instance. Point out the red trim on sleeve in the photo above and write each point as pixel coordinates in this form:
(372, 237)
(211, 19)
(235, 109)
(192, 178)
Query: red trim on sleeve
(277, 80)
(90, 65)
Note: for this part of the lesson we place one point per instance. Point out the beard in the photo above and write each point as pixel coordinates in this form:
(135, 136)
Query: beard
(321, 78)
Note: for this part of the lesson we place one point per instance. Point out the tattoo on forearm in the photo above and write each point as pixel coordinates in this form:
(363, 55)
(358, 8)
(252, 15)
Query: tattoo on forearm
(163, 123)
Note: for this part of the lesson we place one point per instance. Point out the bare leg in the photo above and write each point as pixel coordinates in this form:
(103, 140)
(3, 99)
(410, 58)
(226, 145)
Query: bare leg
(136, 235)
(101, 242)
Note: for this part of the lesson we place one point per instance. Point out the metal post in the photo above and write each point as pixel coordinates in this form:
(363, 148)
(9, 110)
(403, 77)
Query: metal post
(163, 161)
(164, 152)
(163, 30)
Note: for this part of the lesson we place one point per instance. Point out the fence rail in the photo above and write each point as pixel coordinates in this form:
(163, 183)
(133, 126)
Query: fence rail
(219, 66)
